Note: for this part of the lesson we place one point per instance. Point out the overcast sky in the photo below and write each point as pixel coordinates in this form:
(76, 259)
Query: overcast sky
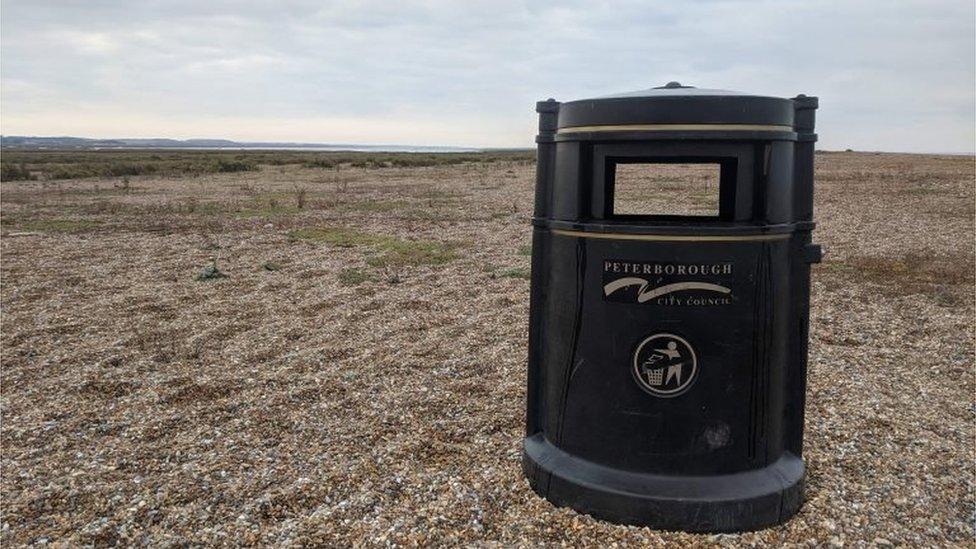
(890, 75)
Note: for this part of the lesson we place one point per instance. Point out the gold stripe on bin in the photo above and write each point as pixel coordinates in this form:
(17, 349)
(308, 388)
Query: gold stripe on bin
(671, 238)
(679, 128)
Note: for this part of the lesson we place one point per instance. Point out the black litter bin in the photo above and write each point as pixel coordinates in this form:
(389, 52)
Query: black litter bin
(667, 353)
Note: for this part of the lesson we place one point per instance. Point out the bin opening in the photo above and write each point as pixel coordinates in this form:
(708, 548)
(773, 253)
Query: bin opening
(671, 188)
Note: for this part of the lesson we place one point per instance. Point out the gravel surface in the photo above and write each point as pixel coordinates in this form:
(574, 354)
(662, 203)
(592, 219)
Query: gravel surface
(366, 387)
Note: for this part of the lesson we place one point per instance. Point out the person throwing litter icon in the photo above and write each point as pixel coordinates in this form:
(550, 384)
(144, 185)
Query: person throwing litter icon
(662, 364)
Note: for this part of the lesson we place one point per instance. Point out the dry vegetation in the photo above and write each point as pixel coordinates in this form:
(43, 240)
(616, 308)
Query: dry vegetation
(312, 352)
(72, 164)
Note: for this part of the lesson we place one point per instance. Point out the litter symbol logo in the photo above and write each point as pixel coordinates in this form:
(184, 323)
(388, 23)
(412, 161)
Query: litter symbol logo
(665, 365)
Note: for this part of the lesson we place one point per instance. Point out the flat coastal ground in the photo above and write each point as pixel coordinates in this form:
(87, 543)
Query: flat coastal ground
(357, 375)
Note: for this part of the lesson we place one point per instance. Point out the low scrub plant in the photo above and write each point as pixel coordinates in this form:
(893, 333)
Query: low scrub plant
(211, 272)
(15, 172)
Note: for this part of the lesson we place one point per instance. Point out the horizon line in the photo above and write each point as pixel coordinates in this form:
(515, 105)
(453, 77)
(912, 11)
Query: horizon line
(272, 145)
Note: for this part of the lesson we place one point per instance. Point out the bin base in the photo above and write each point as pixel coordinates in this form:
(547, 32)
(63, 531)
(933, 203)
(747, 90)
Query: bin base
(750, 500)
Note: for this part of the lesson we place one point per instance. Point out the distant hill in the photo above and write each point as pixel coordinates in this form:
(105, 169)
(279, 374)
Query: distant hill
(25, 142)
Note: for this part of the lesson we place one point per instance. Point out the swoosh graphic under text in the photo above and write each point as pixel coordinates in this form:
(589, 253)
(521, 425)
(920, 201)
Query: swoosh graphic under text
(643, 295)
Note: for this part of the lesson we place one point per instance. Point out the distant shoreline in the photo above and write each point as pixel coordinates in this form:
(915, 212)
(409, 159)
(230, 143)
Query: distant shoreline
(322, 148)
(18, 142)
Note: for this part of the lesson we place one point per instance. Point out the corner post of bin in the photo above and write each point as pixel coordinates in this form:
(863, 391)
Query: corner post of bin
(545, 162)
(804, 119)
(545, 172)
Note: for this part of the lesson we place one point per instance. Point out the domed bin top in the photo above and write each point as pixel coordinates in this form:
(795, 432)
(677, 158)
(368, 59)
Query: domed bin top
(677, 108)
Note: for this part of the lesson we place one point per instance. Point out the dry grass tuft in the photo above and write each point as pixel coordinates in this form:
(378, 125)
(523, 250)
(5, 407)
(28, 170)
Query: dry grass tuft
(390, 251)
(916, 268)
(523, 274)
(947, 278)
(72, 226)
(354, 277)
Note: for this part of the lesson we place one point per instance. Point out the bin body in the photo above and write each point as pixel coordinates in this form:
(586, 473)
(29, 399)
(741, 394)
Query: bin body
(667, 354)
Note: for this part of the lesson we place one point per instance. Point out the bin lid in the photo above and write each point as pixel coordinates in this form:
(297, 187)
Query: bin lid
(674, 103)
